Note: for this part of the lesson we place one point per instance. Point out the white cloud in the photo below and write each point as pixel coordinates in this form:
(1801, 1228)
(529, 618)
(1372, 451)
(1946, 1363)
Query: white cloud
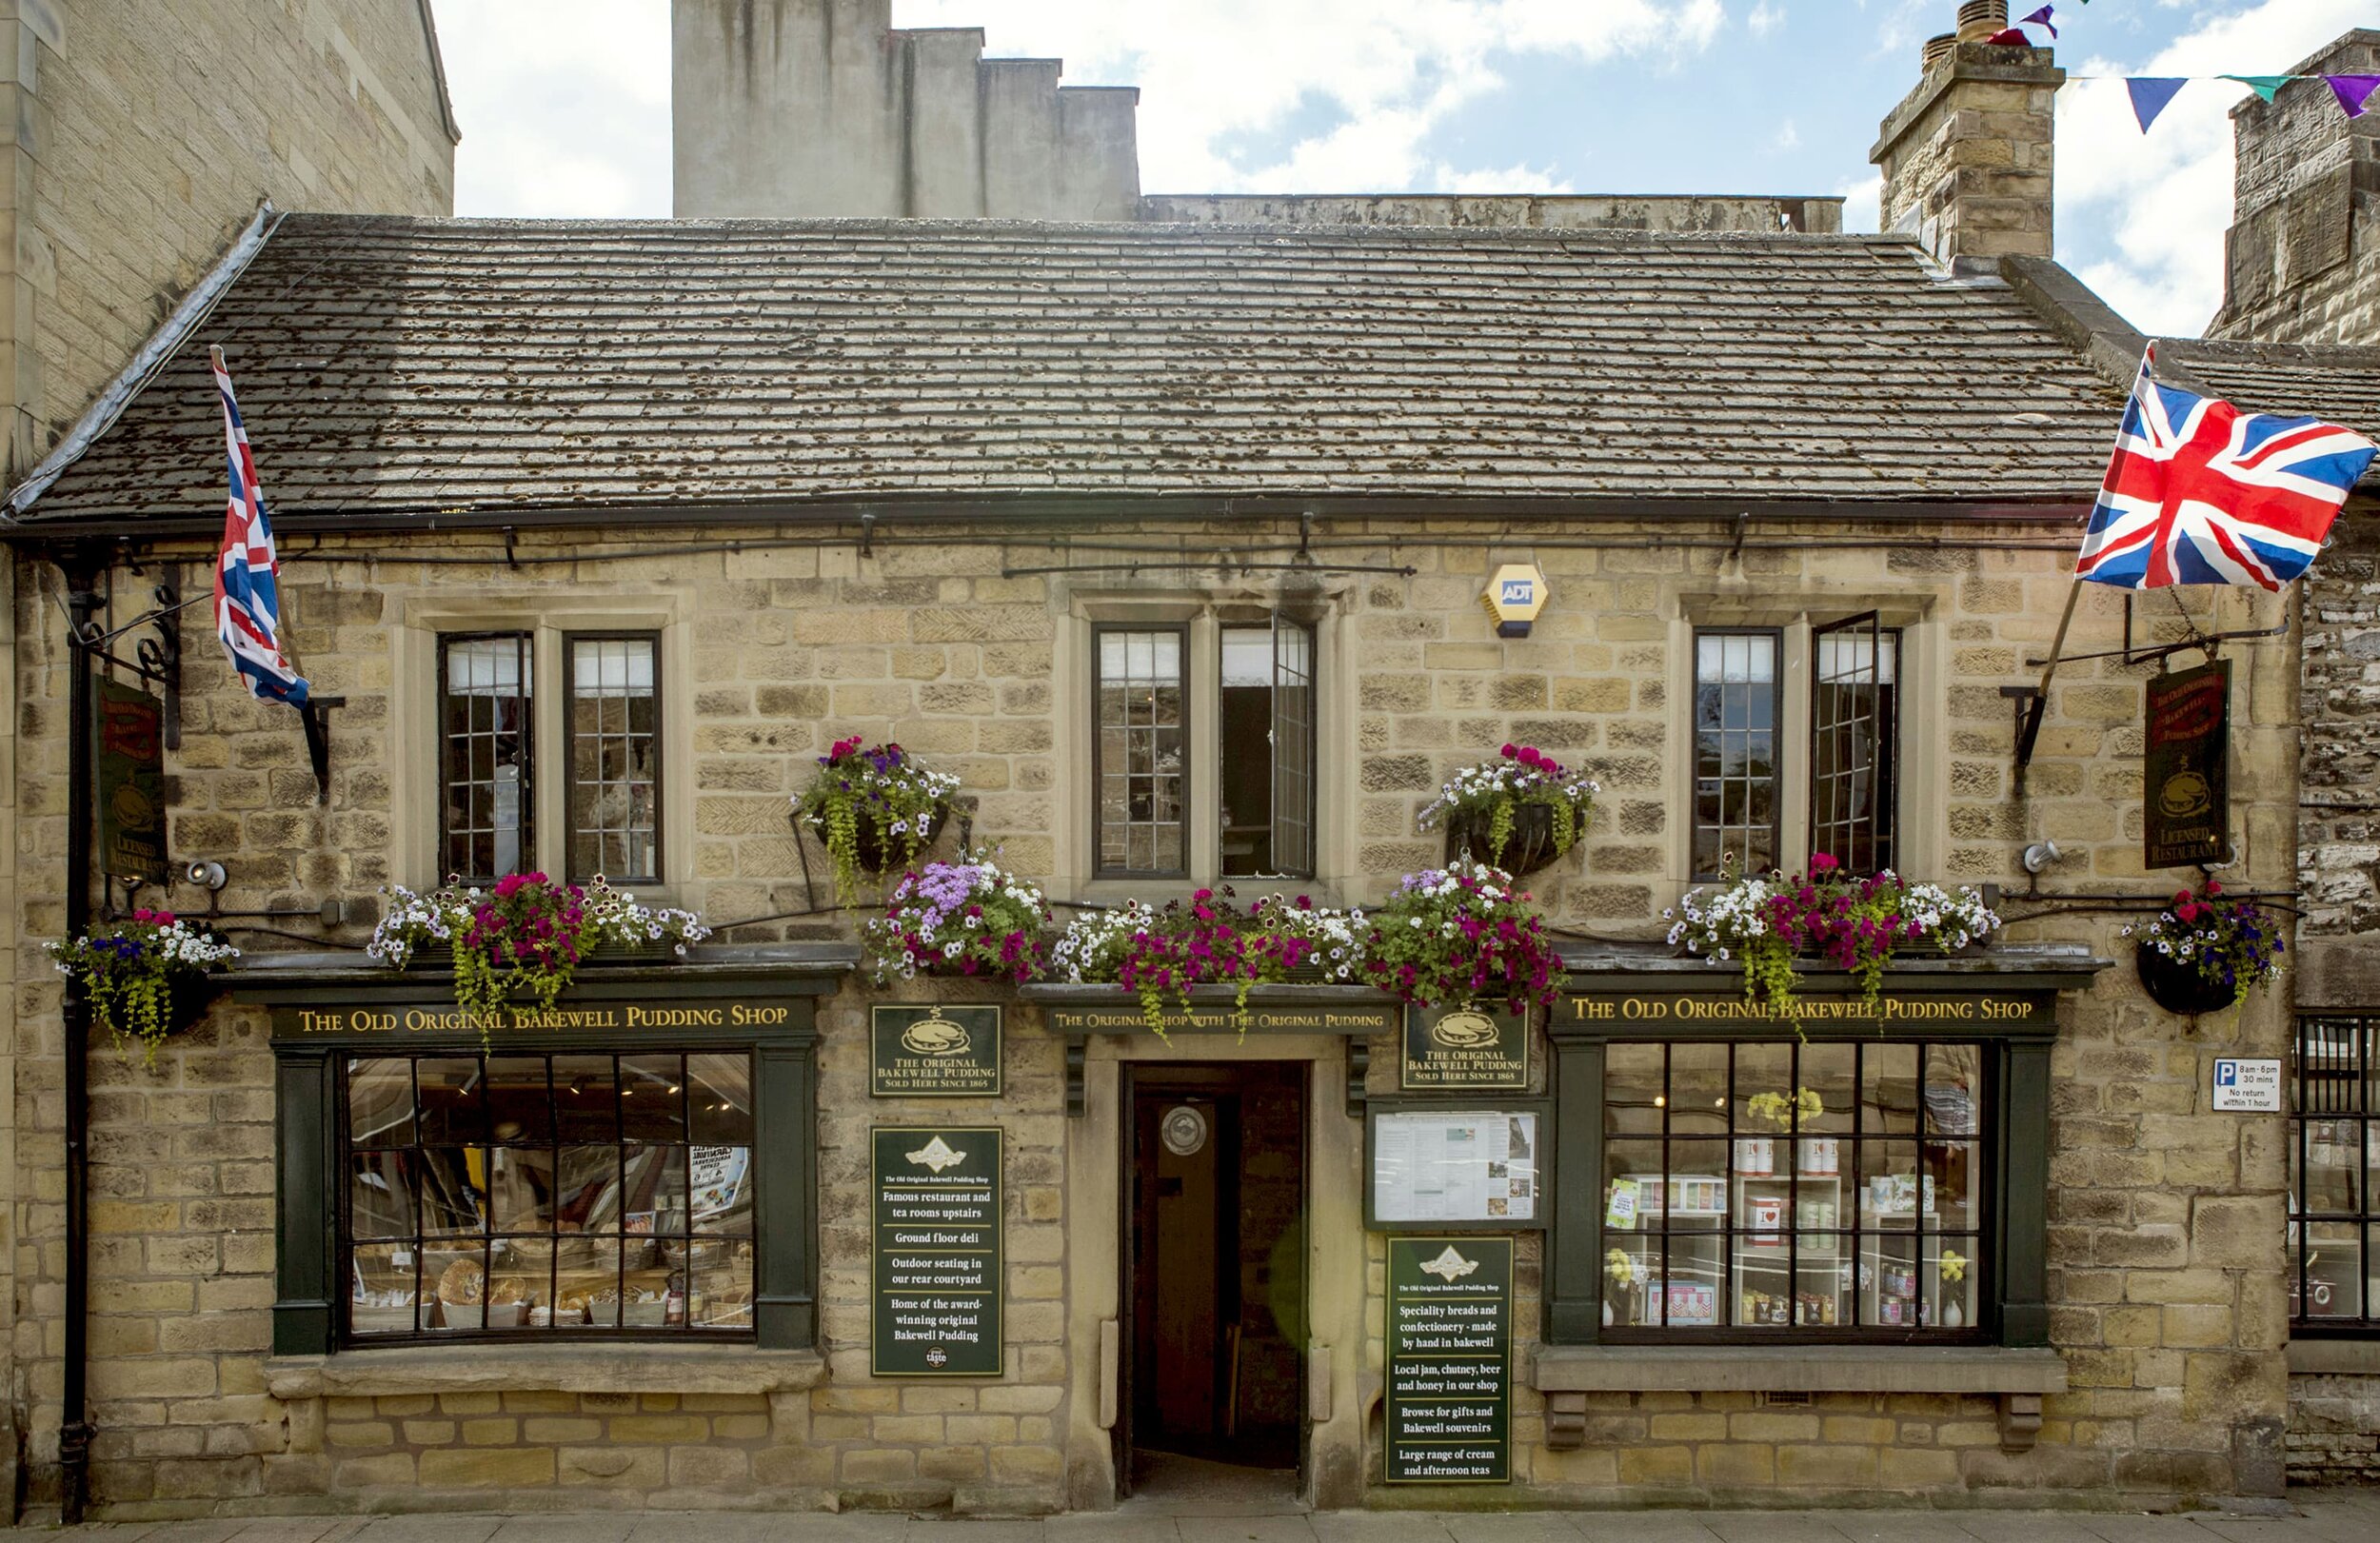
(564, 103)
(1786, 138)
(1764, 18)
(2166, 195)
(563, 109)
(1480, 181)
(1862, 198)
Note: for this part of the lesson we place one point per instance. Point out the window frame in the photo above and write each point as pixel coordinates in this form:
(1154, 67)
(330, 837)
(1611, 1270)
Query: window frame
(525, 640)
(1275, 623)
(2013, 1305)
(1099, 868)
(1731, 1229)
(570, 641)
(311, 1156)
(348, 1243)
(2364, 1218)
(1778, 737)
(1883, 827)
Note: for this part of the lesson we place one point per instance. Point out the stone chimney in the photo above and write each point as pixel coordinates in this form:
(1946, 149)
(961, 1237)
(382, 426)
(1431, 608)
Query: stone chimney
(1965, 156)
(2303, 255)
(809, 108)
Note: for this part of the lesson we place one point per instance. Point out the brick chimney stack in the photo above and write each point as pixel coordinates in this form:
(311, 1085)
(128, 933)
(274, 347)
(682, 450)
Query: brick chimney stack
(2303, 255)
(1965, 156)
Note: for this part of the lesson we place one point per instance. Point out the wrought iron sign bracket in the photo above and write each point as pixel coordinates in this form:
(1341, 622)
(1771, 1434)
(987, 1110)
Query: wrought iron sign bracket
(2028, 701)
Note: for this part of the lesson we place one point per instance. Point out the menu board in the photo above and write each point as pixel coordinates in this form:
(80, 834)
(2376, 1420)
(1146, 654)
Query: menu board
(936, 1277)
(935, 1051)
(1450, 1390)
(1464, 1047)
(1435, 1167)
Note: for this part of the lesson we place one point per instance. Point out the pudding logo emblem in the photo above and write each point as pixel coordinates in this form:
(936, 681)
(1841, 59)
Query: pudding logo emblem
(1466, 1030)
(1450, 1266)
(937, 1155)
(935, 1034)
(2185, 794)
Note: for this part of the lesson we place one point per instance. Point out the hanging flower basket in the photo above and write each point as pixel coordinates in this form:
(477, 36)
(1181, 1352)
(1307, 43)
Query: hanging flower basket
(2176, 986)
(145, 977)
(1530, 848)
(2205, 951)
(1517, 813)
(880, 849)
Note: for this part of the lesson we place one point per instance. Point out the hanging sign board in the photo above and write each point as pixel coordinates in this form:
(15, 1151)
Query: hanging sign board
(936, 1256)
(2186, 808)
(1464, 1047)
(1450, 1389)
(131, 766)
(936, 1052)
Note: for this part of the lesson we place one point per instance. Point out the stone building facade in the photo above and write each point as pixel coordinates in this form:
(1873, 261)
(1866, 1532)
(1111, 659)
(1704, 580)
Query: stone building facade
(2131, 1349)
(145, 139)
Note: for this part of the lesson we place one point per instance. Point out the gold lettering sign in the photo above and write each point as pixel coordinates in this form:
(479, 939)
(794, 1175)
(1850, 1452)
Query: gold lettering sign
(1720, 1010)
(1365, 1019)
(396, 1021)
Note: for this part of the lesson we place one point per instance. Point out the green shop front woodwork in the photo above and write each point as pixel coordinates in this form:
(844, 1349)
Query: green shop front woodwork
(936, 1270)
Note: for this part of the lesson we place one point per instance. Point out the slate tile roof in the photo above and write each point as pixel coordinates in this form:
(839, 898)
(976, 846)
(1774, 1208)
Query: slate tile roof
(2341, 383)
(396, 366)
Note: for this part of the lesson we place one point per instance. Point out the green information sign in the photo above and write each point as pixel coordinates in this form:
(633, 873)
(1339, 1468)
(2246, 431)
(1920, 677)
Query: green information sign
(1450, 1385)
(1464, 1047)
(131, 783)
(937, 1252)
(937, 1052)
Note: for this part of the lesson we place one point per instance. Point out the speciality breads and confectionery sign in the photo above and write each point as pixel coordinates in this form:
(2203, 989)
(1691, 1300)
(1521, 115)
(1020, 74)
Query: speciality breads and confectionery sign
(934, 1052)
(937, 1253)
(1450, 1389)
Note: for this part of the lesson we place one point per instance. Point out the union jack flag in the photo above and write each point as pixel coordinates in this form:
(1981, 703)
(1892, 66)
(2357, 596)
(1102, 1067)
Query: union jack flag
(247, 574)
(2199, 492)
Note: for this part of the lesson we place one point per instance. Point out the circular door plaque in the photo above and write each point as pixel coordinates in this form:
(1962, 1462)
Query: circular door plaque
(1185, 1131)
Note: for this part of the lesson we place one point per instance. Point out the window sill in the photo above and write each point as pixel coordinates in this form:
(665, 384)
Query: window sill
(639, 1367)
(2335, 1357)
(2018, 1378)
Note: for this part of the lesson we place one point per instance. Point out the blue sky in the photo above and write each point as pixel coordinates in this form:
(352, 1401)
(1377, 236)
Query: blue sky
(565, 114)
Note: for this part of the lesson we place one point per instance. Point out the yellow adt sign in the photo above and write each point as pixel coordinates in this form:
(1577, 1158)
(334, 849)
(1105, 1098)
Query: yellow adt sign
(1514, 595)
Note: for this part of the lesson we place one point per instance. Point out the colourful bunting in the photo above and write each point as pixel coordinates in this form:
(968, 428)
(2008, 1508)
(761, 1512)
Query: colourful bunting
(2266, 86)
(2150, 95)
(2354, 91)
(2041, 19)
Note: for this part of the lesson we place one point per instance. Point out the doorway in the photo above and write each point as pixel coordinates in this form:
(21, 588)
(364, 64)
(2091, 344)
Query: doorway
(1214, 1242)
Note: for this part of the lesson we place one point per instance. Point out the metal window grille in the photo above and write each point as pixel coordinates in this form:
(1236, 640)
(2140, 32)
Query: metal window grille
(2334, 1154)
(1736, 710)
(591, 1196)
(614, 756)
(1868, 1221)
(1854, 742)
(487, 808)
(1141, 750)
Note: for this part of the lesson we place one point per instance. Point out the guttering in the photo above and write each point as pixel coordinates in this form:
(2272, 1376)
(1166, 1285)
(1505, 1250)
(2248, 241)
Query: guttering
(1080, 509)
(153, 355)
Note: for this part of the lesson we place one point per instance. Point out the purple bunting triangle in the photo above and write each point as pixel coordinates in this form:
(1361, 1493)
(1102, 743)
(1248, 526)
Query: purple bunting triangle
(2041, 18)
(2354, 91)
(2150, 93)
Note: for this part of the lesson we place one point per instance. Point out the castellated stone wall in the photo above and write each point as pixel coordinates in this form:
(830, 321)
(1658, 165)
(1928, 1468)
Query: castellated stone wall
(2165, 1219)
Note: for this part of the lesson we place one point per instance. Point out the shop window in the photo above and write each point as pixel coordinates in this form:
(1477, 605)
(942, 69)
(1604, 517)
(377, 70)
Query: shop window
(2334, 1158)
(610, 760)
(526, 1195)
(1140, 754)
(1757, 1191)
(1744, 750)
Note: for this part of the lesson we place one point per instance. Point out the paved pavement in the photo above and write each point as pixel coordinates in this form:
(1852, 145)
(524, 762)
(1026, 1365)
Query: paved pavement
(2319, 1517)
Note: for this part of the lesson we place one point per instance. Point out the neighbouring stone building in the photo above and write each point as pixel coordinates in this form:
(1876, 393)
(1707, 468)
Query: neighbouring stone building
(145, 137)
(1029, 497)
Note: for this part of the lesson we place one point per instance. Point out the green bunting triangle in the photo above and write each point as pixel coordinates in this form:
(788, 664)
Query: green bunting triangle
(2266, 86)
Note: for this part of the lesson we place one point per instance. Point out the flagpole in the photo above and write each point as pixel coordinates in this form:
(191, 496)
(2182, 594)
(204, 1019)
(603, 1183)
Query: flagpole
(2031, 732)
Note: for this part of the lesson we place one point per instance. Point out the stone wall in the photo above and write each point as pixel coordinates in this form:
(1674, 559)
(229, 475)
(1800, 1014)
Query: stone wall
(1967, 155)
(2335, 1429)
(2303, 252)
(2166, 1220)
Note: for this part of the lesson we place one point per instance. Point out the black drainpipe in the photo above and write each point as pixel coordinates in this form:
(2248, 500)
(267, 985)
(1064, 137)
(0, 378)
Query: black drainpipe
(82, 568)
